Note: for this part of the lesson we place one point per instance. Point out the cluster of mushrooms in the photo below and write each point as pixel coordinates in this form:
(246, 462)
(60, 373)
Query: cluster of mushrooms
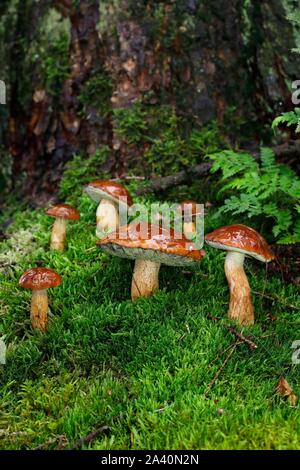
(152, 246)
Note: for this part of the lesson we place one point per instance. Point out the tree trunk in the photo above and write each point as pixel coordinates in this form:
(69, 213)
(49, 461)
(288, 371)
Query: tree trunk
(227, 60)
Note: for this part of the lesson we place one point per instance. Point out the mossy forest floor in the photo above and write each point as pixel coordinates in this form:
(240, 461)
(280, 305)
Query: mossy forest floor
(142, 368)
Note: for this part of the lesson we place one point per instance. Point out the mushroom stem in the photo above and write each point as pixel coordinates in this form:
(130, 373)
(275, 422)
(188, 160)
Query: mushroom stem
(58, 234)
(240, 306)
(107, 217)
(39, 309)
(144, 279)
(189, 230)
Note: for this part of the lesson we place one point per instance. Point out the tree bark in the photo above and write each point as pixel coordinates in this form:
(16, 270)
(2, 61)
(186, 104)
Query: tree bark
(227, 60)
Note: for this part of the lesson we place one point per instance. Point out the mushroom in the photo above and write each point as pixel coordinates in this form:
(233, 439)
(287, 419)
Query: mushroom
(150, 247)
(112, 198)
(189, 210)
(39, 280)
(239, 241)
(62, 213)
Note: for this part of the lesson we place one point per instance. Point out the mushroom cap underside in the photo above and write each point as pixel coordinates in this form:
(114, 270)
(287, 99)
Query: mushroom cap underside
(153, 243)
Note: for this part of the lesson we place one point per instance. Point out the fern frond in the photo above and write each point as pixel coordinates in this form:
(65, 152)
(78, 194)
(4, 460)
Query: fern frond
(232, 163)
(290, 118)
(268, 159)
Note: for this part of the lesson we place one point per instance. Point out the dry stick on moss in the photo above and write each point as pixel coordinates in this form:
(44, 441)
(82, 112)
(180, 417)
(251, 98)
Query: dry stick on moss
(60, 440)
(165, 182)
(217, 375)
(219, 355)
(245, 339)
(275, 298)
(89, 437)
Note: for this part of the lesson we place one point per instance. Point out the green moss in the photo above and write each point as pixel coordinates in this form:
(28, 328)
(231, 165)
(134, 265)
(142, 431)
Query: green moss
(96, 92)
(141, 368)
(51, 52)
(168, 142)
(80, 171)
(5, 170)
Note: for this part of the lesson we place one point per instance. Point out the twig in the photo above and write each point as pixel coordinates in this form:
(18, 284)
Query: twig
(163, 183)
(217, 375)
(218, 356)
(182, 177)
(245, 339)
(12, 434)
(129, 178)
(89, 437)
(92, 435)
(61, 442)
(276, 298)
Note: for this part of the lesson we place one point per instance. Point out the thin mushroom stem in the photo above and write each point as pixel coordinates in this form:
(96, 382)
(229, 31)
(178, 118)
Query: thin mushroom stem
(189, 229)
(107, 218)
(58, 234)
(240, 306)
(39, 309)
(145, 278)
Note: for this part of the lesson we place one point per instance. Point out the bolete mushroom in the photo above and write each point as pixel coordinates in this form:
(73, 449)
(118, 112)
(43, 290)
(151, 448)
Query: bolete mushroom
(189, 210)
(111, 197)
(150, 246)
(62, 213)
(239, 241)
(39, 280)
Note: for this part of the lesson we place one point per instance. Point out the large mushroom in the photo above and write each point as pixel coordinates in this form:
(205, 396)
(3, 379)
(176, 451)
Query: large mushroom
(239, 241)
(39, 280)
(150, 246)
(62, 213)
(112, 198)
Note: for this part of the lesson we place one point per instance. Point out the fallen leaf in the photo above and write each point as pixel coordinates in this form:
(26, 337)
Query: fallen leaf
(285, 390)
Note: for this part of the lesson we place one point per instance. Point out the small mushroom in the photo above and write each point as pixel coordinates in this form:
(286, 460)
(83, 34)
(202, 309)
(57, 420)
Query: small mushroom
(62, 213)
(150, 246)
(39, 280)
(239, 241)
(189, 210)
(111, 197)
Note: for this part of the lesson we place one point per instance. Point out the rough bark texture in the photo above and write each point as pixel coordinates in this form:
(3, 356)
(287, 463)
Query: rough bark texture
(207, 59)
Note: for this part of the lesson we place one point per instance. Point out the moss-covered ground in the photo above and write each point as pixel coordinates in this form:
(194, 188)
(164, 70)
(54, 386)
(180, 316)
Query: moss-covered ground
(141, 369)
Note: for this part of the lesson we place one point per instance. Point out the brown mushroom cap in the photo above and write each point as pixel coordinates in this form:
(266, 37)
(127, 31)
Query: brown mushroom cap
(153, 243)
(106, 189)
(242, 239)
(63, 211)
(39, 278)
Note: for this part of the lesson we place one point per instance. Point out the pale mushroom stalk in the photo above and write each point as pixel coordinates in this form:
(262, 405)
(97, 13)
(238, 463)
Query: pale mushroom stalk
(150, 246)
(38, 280)
(110, 197)
(189, 229)
(240, 306)
(58, 234)
(39, 309)
(107, 217)
(62, 214)
(145, 278)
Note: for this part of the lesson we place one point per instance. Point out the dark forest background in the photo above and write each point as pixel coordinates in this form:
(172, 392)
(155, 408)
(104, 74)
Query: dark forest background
(111, 78)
